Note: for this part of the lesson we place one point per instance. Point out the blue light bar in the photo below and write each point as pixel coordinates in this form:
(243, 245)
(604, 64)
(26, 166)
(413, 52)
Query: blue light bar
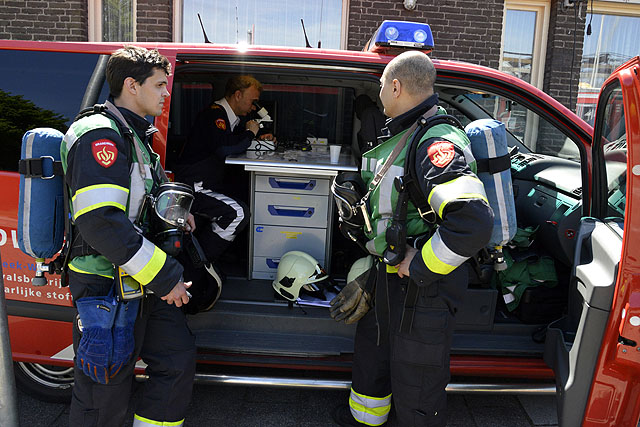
(392, 35)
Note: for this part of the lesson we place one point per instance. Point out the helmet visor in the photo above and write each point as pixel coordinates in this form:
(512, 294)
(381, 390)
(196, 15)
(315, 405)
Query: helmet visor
(345, 210)
(173, 206)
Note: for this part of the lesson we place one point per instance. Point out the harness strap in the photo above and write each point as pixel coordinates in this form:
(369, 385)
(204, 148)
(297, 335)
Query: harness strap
(419, 200)
(382, 303)
(387, 164)
(35, 167)
(415, 192)
(494, 165)
(410, 300)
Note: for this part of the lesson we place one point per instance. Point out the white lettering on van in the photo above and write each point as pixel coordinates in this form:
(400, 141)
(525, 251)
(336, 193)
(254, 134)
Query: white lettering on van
(14, 238)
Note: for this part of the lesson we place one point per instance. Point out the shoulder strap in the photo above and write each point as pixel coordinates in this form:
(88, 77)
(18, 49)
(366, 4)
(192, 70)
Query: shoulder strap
(416, 196)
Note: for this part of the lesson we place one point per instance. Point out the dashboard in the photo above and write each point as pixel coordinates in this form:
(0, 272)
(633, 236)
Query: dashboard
(547, 193)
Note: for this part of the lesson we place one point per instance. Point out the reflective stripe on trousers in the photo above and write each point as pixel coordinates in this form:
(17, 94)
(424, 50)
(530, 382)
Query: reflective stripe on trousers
(139, 421)
(372, 411)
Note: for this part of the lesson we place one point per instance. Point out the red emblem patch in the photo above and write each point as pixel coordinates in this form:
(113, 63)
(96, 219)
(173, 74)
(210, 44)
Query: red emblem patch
(441, 153)
(105, 152)
(220, 124)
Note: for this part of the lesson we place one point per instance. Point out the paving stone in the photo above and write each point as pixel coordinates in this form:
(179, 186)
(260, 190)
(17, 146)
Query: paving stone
(497, 411)
(542, 410)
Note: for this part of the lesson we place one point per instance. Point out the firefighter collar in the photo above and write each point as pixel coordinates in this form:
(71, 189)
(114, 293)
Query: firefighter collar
(138, 124)
(403, 121)
(233, 119)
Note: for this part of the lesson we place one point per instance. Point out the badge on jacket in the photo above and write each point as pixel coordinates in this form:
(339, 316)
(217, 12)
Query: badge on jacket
(220, 124)
(105, 152)
(441, 153)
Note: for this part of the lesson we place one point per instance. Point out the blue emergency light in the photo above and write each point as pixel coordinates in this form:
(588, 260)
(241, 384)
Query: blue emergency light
(401, 34)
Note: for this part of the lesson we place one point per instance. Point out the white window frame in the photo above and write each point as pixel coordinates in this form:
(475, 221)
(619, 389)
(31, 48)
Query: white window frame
(94, 21)
(542, 9)
(539, 39)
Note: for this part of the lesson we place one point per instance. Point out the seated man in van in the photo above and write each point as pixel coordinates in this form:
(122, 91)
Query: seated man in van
(220, 130)
(372, 120)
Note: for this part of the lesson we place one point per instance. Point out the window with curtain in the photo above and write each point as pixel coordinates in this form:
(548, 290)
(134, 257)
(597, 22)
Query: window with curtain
(276, 22)
(613, 41)
(518, 42)
(117, 20)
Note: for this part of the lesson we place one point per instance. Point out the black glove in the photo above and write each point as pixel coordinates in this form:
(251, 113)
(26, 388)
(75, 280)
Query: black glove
(354, 301)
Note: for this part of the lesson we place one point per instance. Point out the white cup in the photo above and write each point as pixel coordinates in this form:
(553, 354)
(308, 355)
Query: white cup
(334, 152)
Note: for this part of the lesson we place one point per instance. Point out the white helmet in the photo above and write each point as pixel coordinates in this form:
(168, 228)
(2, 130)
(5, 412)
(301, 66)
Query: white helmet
(359, 267)
(297, 270)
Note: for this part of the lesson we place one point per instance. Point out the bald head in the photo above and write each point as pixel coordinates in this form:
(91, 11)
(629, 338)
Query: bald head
(409, 80)
(415, 71)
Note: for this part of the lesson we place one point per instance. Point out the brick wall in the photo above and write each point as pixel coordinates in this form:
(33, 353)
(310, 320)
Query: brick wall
(52, 20)
(462, 29)
(155, 21)
(559, 81)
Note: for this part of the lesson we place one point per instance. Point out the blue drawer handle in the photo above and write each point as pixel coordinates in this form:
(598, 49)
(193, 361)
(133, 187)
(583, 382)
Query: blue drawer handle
(293, 211)
(292, 185)
(272, 263)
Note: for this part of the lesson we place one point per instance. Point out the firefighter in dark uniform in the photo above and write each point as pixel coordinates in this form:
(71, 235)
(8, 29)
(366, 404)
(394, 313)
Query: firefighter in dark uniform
(220, 130)
(402, 345)
(107, 176)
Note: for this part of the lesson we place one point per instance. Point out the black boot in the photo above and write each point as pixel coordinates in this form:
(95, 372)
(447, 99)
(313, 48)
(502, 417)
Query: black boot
(342, 416)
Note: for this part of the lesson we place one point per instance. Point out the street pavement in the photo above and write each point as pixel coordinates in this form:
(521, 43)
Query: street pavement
(238, 406)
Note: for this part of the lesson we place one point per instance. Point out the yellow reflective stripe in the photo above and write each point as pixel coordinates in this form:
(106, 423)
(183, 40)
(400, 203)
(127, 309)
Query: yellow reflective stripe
(139, 421)
(145, 264)
(96, 196)
(372, 411)
(78, 270)
(438, 257)
(153, 267)
(463, 187)
(392, 268)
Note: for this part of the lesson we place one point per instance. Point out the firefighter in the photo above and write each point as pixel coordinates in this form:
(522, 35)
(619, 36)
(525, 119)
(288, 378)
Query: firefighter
(220, 130)
(107, 175)
(402, 345)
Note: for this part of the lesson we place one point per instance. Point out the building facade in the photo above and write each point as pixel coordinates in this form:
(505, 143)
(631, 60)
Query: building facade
(542, 41)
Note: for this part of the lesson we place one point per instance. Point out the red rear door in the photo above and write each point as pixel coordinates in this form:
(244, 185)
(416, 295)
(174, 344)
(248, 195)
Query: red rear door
(595, 349)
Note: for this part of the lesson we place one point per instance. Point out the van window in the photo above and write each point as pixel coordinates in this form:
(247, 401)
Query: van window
(318, 109)
(39, 89)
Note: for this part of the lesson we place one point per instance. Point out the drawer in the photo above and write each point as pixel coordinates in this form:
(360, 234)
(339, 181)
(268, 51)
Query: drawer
(290, 209)
(292, 184)
(275, 241)
(267, 267)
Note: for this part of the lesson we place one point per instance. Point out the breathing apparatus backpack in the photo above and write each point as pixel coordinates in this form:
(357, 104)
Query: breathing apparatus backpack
(41, 207)
(489, 147)
(44, 224)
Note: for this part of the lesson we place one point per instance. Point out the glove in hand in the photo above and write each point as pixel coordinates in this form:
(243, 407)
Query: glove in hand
(353, 302)
(97, 316)
(123, 339)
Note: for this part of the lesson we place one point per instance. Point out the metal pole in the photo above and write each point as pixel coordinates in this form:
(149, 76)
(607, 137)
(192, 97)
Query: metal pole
(8, 398)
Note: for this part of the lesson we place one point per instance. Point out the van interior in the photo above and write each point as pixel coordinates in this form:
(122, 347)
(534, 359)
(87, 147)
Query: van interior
(252, 320)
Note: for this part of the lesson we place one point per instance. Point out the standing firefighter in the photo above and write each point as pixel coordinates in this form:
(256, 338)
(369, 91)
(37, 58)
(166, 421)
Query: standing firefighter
(109, 168)
(402, 346)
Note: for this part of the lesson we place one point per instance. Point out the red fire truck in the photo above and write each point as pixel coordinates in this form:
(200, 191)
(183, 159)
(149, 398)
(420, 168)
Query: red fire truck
(581, 329)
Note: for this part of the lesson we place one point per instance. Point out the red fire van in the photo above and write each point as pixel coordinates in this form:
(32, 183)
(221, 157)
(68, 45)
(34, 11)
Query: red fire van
(581, 330)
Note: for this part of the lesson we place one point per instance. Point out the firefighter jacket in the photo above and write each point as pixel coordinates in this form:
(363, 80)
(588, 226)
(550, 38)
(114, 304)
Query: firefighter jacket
(107, 182)
(445, 172)
(210, 141)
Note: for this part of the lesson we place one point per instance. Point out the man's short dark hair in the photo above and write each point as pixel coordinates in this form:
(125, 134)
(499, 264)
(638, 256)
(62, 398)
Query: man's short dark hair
(136, 62)
(241, 83)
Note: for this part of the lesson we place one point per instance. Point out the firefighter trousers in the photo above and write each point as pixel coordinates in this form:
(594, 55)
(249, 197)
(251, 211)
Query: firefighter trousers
(412, 369)
(219, 219)
(165, 343)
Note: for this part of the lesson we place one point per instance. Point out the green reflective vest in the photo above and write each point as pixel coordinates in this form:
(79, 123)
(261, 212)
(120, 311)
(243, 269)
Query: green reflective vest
(383, 199)
(140, 183)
